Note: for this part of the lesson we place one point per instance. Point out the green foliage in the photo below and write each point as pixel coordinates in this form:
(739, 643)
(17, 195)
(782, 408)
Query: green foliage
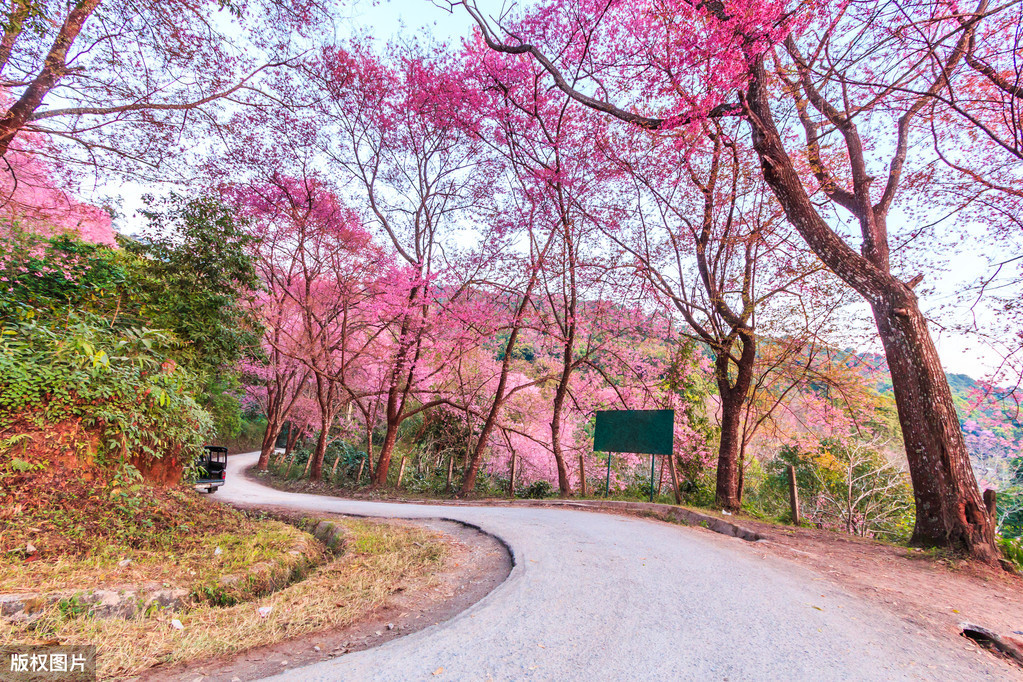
(220, 396)
(693, 387)
(347, 458)
(214, 595)
(1012, 550)
(847, 486)
(191, 277)
(136, 340)
(537, 490)
(50, 274)
(1010, 501)
(120, 380)
(191, 274)
(444, 433)
(764, 495)
(74, 607)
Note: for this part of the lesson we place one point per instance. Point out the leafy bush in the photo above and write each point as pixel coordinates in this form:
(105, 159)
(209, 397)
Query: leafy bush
(343, 459)
(120, 382)
(1012, 550)
(844, 485)
(537, 490)
(191, 275)
(765, 492)
(49, 274)
(132, 341)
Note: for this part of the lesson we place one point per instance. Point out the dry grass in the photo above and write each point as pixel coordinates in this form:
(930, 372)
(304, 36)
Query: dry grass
(381, 560)
(185, 564)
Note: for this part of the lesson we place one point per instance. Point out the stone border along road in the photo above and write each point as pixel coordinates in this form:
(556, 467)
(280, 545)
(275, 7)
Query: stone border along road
(595, 596)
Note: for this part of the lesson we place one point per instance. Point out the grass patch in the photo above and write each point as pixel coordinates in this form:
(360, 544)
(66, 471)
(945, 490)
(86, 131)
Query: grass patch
(381, 559)
(193, 543)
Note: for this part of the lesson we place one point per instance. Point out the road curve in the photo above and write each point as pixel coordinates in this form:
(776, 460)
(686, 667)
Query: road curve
(603, 597)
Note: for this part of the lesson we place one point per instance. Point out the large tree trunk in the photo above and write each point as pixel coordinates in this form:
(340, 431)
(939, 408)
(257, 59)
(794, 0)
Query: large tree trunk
(267, 446)
(316, 467)
(949, 508)
(559, 402)
(564, 486)
(386, 449)
(726, 494)
(734, 391)
(326, 399)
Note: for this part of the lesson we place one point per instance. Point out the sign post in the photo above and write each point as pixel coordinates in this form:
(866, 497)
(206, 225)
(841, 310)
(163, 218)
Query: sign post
(647, 432)
(652, 477)
(607, 486)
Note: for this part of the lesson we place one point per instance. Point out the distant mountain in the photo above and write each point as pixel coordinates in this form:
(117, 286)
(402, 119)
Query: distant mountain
(990, 416)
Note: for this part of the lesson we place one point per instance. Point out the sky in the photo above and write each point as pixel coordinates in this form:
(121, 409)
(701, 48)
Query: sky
(382, 19)
(386, 19)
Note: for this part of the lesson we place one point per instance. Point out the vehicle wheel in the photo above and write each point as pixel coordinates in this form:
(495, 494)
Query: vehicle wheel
(211, 490)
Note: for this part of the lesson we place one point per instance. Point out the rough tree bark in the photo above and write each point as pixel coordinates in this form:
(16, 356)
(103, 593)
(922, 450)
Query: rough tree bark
(734, 392)
(950, 510)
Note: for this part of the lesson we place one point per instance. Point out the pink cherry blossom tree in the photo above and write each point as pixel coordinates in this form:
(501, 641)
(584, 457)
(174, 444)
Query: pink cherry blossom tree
(406, 139)
(109, 83)
(812, 84)
(319, 267)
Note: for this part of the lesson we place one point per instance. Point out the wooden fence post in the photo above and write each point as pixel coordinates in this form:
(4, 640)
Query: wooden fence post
(674, 479)
(511, 480)
(333, 469)
(401, 471)
(793, 495)
(582, 476)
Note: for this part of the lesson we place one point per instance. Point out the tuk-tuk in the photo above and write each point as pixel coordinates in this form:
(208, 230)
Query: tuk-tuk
(212, 468)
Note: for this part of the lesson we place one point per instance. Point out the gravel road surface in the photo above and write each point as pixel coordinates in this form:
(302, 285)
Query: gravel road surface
(596, 596)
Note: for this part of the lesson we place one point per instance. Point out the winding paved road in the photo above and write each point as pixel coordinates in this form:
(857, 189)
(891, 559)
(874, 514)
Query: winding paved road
(604, 597)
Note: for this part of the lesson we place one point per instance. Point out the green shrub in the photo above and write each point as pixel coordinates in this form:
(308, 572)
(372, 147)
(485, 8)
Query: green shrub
(537, 490)
(843, 485)
(119, 381)
(1012, 551)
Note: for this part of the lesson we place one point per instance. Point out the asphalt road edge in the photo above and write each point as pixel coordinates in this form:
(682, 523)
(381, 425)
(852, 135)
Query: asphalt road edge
(664, 512)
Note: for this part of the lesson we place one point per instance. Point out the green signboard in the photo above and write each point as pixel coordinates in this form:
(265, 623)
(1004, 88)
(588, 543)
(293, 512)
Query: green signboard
(648, 432)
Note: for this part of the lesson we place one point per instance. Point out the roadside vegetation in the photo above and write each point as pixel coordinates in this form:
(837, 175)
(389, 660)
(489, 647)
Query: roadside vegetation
(857, 491)
(170, 537)
(317, 592)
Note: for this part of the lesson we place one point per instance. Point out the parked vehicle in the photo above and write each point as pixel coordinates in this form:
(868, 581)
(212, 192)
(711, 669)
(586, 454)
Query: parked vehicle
(212, 469)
